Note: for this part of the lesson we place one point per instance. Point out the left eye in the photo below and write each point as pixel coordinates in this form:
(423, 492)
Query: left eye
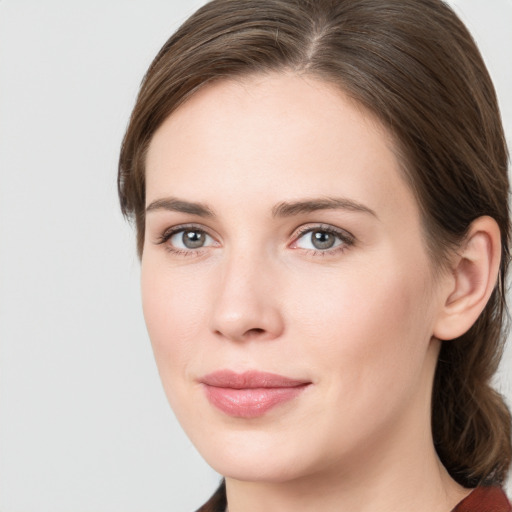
(319, 240)
(190, 239)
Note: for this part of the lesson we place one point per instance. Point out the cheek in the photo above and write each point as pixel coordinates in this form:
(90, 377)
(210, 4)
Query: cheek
(369, 325)
(173, 307)
(369, 337)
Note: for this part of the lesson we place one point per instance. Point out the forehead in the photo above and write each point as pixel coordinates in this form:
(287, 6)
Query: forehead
(273, 135)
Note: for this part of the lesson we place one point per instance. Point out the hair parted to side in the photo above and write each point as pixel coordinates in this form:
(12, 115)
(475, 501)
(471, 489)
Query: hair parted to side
(415, 66)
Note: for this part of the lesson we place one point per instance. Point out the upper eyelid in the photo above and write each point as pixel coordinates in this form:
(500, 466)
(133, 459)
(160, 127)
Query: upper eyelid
(187, 226)
(167, 233)
(307, 228)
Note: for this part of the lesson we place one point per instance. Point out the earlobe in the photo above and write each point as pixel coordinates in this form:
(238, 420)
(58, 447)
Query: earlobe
(473, 279)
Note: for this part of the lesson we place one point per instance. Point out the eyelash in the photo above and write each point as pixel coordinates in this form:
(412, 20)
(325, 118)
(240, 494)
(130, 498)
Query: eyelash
(346, 239)
(169, 233)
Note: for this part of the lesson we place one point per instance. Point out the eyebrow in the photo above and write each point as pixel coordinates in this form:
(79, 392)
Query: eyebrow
(284, 209)
(288, 209)
(177, 205)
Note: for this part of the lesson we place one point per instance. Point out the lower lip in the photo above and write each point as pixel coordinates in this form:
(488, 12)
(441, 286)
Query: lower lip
(250, 402)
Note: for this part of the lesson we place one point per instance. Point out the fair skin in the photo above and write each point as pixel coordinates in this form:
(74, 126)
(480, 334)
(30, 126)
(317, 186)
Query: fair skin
(282, 238)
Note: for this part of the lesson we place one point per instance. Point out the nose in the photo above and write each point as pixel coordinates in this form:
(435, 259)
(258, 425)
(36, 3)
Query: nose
(246, 305)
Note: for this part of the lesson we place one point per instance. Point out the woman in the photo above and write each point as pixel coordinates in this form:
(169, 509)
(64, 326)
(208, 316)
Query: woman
(320, 194)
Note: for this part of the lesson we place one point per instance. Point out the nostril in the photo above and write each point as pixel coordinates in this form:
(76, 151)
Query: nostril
(255, 331)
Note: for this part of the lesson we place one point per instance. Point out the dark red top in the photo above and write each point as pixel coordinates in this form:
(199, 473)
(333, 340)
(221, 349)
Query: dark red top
(485, 499)
(482, 499)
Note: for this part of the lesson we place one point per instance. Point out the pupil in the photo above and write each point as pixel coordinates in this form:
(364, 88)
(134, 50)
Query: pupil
(193, 239)
(322, 240)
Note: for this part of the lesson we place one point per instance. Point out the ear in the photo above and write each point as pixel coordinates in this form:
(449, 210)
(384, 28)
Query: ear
(474, 275)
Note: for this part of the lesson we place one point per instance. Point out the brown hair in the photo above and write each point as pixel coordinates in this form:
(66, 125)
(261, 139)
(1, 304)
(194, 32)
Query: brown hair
(414, 65)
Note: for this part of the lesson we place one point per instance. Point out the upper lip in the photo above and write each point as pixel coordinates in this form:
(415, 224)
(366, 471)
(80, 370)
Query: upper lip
(250, 380)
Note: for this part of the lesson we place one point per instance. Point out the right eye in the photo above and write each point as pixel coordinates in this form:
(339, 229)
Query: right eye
(190, 239)
(182, 240)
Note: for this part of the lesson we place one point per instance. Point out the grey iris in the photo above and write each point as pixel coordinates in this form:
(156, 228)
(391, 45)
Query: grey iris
(193, 239)
(322, 239)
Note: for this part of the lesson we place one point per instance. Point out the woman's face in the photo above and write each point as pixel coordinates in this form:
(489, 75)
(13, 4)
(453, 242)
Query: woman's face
(286, 285)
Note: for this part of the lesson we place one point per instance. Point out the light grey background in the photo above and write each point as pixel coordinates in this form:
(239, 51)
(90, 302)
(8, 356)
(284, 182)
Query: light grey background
(84, 424)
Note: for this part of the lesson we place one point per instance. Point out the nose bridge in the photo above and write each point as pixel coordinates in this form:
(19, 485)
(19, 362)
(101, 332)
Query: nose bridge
(246, 303)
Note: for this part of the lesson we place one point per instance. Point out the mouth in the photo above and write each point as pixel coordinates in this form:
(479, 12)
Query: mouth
(250, 394)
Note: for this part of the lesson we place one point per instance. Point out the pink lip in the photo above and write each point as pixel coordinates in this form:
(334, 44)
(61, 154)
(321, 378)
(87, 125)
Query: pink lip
(249, 394)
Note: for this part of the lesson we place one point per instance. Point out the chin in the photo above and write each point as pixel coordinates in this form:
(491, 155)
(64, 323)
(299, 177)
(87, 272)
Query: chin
(266, 469)
(257, 456)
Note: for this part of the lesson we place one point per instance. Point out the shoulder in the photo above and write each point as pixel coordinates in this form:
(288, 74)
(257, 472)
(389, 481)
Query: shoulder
(485, 499)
